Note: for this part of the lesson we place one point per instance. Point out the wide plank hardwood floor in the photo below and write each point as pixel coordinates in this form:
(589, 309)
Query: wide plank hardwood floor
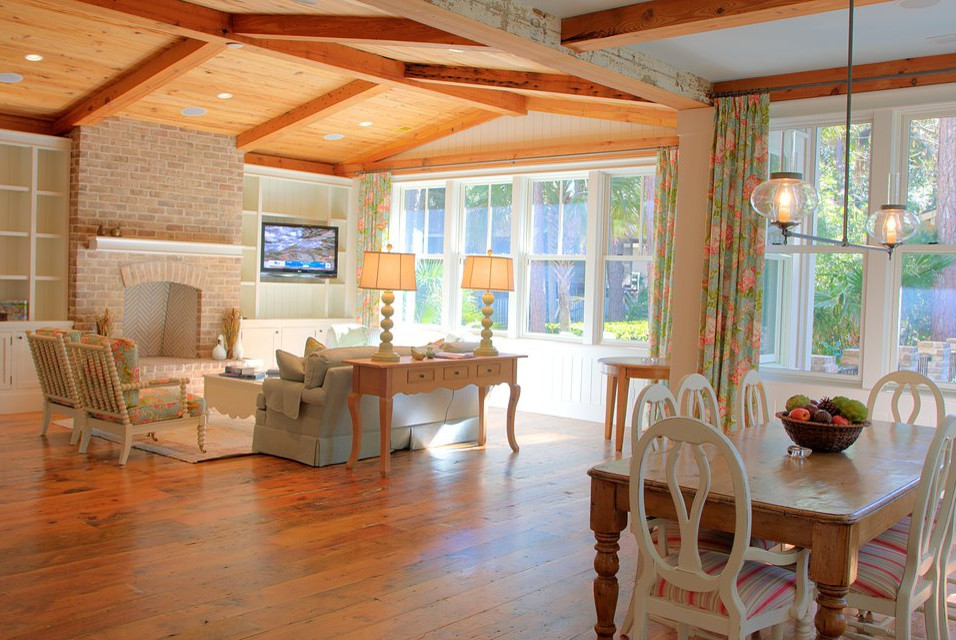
(461, 542)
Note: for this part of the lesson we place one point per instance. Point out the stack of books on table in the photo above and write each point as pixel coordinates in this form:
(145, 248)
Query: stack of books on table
(242, 371)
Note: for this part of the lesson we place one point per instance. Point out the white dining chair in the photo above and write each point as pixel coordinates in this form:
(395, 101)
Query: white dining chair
(914, 383)
(734, 594)
(751, 408)
(696, 399)
(655, 402)
(904, 568)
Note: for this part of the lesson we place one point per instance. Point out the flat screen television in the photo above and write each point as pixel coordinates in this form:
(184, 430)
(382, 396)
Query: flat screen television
(299, 250)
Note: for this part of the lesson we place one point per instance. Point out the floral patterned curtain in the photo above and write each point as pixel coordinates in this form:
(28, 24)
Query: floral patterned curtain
(734, 251)
(665, 214)
(375, 198)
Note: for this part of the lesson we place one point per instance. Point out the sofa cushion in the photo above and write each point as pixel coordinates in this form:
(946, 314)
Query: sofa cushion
(311, 345)
(291, 366)
(158, 404)
(319, 363)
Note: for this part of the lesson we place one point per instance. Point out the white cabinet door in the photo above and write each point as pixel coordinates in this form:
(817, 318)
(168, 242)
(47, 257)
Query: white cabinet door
(261, 343)
(293, 338)
(6, 360)
(25, 372)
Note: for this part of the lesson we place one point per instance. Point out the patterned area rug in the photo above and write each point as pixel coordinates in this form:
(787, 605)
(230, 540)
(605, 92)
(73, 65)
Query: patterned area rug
(225, 438)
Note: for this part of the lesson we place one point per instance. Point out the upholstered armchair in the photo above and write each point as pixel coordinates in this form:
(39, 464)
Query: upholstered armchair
(47, 346)
(115, 401)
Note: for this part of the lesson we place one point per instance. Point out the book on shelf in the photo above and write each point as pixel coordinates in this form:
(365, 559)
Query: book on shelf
(240, 370)
(447, 355)
(242, 376)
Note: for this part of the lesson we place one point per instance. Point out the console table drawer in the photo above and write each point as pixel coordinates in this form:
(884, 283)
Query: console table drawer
(489, 370)
(456, 373)
(421, 376)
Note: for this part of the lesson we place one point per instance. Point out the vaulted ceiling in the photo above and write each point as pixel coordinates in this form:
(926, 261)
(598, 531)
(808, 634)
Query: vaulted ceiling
(335, 85)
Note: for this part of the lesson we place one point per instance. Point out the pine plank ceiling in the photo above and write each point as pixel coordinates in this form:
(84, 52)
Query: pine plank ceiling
(412, 71)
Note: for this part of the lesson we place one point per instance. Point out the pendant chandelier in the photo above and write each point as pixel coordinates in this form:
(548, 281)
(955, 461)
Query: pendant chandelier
(786, 198)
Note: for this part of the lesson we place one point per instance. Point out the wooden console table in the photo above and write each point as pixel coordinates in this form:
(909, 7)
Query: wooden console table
(385, 379)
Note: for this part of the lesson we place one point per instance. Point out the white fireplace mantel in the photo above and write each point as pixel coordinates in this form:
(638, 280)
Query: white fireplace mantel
(168, 247)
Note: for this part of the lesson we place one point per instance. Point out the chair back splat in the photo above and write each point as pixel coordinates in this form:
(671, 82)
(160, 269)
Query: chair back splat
(696, 399)
(911, 382)
(751, 407)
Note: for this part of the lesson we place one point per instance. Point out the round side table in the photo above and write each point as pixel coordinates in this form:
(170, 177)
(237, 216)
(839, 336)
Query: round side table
(619, 371)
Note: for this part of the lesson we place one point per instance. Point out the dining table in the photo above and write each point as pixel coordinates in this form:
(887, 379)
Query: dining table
(830, 503)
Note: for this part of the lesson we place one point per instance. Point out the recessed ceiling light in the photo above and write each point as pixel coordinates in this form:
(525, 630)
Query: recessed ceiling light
(11, 78)
(917, 4)
(456, 51)
(225, 95)
(365, 123)
(33, 57)
(192, 112)
(235, 45)
(944, 40)
(334, 136)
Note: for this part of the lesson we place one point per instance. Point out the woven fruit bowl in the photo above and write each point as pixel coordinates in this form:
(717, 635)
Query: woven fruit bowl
(820, 437)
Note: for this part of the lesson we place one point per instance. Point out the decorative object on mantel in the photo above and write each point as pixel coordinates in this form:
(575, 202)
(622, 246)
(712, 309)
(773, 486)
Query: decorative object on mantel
(101, 230)
(104, 323)
(219, 351)
(231, 323)
(116, 232)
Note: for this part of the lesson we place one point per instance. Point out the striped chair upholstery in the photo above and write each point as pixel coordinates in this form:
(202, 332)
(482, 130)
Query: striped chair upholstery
(882, 561)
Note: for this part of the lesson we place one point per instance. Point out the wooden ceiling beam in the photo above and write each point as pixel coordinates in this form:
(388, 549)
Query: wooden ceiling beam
(518, 29)
(618, 112)
(216, 26)
(660, 19)
(424, 136)
(137, 83)
(567, 152)
(324, 106)
(170, 16)
(26, 124)
(550, 83)
(878, 76)
(292, 164)
(349, 30)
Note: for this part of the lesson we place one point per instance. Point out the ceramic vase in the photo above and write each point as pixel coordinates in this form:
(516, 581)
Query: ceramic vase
(219, 351)
(237, 351)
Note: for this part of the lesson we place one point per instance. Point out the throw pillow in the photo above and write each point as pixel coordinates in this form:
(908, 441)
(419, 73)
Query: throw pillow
(291, 366)
(316, 365)
(311, 344)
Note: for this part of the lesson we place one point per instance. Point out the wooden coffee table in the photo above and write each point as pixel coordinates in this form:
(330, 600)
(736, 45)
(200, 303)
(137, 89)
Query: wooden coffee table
(234, 397)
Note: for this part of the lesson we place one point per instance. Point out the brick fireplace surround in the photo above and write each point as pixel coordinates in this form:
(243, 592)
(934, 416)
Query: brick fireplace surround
(163, 183)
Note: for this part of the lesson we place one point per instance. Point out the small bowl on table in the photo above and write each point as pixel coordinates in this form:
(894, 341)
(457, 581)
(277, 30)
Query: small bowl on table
(819, 436)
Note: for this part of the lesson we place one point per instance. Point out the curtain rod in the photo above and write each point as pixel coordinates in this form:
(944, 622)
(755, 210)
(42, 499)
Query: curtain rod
(828, 83)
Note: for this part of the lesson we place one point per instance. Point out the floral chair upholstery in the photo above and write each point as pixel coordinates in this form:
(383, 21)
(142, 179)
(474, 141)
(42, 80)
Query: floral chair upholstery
(116, 401)
(47, 346)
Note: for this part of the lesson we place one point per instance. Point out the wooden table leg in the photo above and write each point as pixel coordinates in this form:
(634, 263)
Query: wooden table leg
(607, 524)
(385, 443)
(201, 432)
(355, 412)
(609, 405)
(830, 619)
(512, 407)
(482, 436)
(623, 383)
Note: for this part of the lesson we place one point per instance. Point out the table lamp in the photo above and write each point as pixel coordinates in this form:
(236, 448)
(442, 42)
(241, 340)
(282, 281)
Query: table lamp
(487, 273)
(389, 272)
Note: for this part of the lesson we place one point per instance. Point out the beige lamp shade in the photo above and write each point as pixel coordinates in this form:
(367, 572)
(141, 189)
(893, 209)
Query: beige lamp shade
(488, 273)
(388, 271)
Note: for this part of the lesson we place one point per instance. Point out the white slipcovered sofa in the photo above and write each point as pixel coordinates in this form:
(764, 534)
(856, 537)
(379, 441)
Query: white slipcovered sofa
(305, 417)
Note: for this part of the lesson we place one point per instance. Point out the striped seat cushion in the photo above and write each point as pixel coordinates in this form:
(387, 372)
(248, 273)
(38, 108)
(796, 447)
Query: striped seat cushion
(708, 540)
(882, 561)
(762, 587)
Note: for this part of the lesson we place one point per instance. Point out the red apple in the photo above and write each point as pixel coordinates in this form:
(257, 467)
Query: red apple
(840, 421)
(800, 414)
